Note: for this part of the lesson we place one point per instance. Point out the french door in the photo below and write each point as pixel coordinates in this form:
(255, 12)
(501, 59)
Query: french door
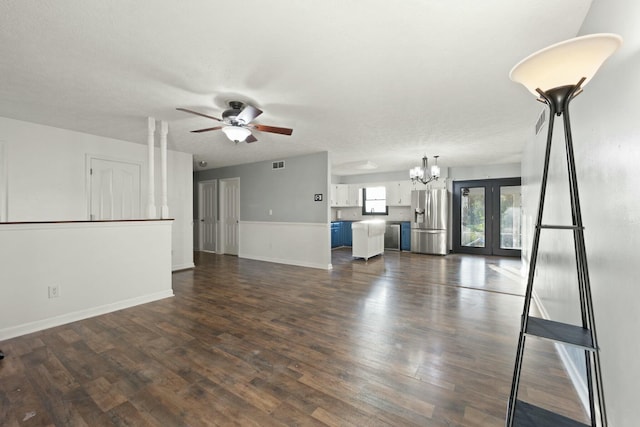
(487, 217)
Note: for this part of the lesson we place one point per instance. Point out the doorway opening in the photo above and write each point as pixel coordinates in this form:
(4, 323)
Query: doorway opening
(487, 217)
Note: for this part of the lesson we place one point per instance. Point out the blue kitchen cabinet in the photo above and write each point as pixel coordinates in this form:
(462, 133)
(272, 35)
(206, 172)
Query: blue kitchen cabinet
(336, 236)
(341, 234)
(405, 236)
(346, 233)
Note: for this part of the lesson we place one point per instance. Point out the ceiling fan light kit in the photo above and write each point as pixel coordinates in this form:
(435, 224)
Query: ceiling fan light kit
(236, 133)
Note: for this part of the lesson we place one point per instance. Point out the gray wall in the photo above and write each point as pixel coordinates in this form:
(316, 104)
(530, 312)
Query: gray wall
(606, 136)
(287, 192)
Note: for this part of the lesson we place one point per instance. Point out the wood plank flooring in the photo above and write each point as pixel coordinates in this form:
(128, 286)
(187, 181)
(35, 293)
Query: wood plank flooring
(400, 340)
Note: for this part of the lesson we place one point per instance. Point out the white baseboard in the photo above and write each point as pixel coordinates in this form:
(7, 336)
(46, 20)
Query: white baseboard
(51, 322)
(572, 370)
(183, 267)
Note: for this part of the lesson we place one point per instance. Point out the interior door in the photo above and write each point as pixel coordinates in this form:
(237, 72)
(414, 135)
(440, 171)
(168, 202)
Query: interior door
(486, 217)
(208, 215)
(230, 215)
(114, 190)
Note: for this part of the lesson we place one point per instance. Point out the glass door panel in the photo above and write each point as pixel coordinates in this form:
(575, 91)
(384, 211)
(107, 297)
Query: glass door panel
(472, 217)
(510, 215)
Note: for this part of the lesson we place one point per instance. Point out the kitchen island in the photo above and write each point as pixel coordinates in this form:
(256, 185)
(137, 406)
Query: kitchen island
(368, 238)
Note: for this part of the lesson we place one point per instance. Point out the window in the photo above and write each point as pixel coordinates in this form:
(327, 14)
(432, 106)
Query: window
(374, 201)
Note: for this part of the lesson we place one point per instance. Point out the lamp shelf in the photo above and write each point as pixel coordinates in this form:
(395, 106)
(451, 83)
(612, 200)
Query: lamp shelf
(560, 332)
(561, 227)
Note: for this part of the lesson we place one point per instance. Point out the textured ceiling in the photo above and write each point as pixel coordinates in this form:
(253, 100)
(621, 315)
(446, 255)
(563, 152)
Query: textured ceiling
(366, 80)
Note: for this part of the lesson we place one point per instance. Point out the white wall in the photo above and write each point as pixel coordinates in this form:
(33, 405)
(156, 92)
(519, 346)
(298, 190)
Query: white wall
(464, 173)
(46, 178)
(606, 134)
(99, 267)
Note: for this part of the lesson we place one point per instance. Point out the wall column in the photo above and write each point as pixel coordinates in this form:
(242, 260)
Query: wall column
(164, 129)
(151, 200)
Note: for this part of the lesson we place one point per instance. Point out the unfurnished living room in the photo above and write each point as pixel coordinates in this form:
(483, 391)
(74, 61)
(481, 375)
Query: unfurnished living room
(338, 213)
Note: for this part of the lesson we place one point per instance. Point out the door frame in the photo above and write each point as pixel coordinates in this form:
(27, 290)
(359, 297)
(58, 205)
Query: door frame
(222, 202)
(491, 206)
(201, 214)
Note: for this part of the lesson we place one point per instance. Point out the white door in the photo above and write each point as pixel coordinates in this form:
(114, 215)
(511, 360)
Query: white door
(208, 215)
(230, 214)
(114, 190)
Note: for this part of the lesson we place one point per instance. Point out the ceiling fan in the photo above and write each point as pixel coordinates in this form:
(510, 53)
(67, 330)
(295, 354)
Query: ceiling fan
(236, 122)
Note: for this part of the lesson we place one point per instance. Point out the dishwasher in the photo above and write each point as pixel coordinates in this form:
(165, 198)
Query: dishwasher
(392, 237)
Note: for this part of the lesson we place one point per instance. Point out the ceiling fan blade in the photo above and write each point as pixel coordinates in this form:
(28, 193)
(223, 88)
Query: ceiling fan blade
(273, 129)
(207, 129)
(198, 114)
(251, 138)
(248, 113)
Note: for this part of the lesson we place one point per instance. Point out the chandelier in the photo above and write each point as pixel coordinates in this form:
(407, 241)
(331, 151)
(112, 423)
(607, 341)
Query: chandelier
(423, 174)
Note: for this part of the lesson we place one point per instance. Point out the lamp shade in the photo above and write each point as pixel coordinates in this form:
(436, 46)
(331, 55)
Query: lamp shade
(565, 63)
(236, 133)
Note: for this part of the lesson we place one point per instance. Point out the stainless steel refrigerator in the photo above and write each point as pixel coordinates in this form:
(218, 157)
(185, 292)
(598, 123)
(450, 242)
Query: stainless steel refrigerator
(429, 209)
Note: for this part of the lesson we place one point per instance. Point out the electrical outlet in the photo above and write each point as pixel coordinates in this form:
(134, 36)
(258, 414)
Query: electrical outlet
(54, 291)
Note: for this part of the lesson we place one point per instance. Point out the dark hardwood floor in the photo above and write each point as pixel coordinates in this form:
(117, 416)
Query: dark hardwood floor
(400, 340)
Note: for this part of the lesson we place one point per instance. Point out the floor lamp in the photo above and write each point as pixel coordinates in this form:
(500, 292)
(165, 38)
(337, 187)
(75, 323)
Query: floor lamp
(556, 75)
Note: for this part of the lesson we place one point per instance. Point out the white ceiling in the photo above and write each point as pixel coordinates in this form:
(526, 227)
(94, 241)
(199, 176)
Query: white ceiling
(367, 80)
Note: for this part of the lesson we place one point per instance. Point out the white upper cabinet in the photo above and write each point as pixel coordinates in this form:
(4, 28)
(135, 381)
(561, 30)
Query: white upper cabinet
(338, 194)
(345, 195)
(398, 193)
(354, 195)
(405, 192)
